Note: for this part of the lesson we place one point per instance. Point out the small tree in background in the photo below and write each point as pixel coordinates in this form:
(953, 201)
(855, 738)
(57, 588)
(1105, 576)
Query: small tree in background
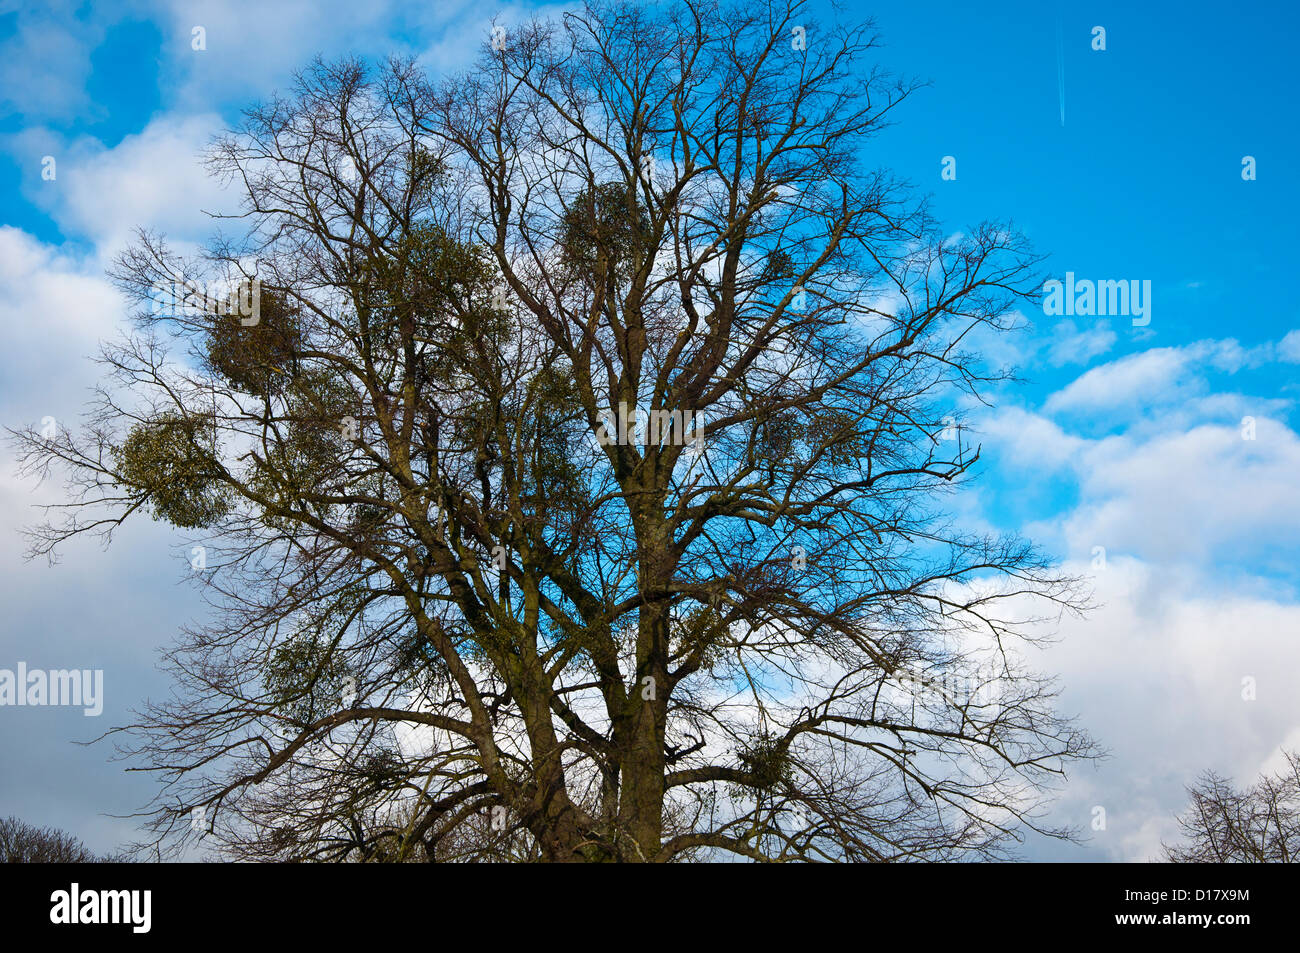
(22, 843)
(1258, 825)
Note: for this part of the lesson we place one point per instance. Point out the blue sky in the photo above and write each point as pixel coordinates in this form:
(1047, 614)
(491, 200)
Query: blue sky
(1120, 437)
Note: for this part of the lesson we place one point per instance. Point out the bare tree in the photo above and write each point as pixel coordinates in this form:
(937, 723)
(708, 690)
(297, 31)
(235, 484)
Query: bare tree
(22, 843)
(1257, 825)
(577, 492)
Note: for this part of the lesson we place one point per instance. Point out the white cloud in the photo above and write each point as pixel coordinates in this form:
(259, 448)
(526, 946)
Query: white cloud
(1192, 495)
(1156, 674)
(1199, 527)
(45, 63)
(154, 178)
(254, 48)
(1133, 379)
(1189, 495)
(1031, 440)
(1031, 342)
(462, 39)
(1158, 375)
(1179, 481)
(54, 311)
(1072, 345)
(91, 611)
(1288, 348)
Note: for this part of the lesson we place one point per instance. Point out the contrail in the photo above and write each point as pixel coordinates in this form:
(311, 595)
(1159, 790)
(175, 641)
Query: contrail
(1060, 66)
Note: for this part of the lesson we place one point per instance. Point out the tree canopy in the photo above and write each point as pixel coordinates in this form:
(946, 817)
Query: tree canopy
(448, 622)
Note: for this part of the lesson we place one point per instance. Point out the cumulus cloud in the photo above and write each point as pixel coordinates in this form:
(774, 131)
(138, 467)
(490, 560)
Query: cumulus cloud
(1177, 474)
(1175, 674)
(1193, 495)
(1155, 375)
(1033, 342)
(1028, 440)
(87, 612)
(54, 310)
(155, 178)
(1071, 344)
(45, 62)
(1289, 348)
(1131, 379)
(1184, 517)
